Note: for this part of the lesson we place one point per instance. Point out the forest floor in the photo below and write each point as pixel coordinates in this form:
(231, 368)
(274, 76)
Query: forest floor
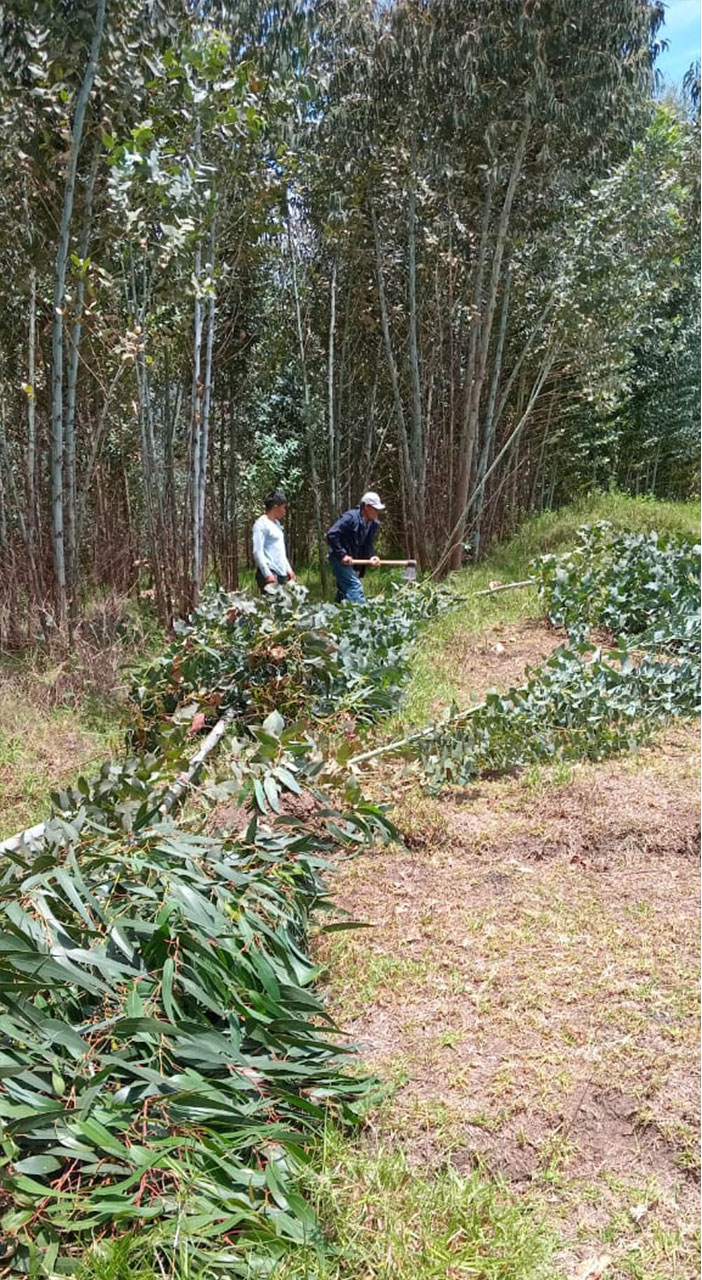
(62, 713)
(530, 984)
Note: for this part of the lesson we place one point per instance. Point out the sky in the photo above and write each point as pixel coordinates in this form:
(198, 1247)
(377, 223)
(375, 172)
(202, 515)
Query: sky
(682, 31)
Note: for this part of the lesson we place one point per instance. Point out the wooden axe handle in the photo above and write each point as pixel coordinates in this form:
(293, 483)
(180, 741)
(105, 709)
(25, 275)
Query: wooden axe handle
(397, 564)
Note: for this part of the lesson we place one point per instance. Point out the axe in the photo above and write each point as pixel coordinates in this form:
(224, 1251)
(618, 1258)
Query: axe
(409, 566)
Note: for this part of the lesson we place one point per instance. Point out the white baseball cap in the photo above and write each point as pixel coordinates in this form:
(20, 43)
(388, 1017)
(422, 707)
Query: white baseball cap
(371, 499)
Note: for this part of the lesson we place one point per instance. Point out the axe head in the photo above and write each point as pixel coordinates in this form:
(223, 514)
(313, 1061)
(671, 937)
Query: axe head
(410, 574)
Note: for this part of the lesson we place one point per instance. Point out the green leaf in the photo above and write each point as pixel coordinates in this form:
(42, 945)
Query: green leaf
(38, 1165)
(274, 724)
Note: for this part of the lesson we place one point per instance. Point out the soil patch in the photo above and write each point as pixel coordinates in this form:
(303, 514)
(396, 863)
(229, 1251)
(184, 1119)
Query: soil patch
(532, 984)
(505, 652)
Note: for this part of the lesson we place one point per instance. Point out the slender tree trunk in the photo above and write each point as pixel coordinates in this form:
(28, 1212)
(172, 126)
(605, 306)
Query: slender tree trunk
(59, 303)
(149, 478)
(340, 384)
(656, 462)
(171, 420)
(232, 497)
(31, 459)
(489, 428)
(331, 442)
(463, 470)
(416, 436)
(314, 477)
(477, 374)
(69, 453)
(196, 431)
(204, 432)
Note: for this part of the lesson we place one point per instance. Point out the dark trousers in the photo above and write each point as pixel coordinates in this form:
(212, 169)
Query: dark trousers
(262, 584)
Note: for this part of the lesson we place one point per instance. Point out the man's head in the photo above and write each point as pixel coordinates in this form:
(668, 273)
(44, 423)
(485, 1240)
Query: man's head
(276, 504)
(371, 505)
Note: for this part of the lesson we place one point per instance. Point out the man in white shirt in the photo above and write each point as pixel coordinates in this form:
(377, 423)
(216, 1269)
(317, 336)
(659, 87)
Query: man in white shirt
(272, 565)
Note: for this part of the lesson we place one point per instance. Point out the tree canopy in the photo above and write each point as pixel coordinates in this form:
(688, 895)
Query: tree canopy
(445, 248)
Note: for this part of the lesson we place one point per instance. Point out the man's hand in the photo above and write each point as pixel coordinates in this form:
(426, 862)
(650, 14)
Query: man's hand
(271, 579)
(375, 560)
(347, 559)
(291, 576)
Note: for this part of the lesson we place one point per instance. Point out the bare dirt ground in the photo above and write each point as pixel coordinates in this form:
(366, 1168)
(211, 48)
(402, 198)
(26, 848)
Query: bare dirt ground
(505, 652)
(531, 989)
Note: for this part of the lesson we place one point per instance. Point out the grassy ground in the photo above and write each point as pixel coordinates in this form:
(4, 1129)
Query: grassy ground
(438, 677)
(63, 713)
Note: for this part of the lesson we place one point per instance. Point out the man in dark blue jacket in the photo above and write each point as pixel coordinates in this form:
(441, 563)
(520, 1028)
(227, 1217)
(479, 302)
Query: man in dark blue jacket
(353, 538)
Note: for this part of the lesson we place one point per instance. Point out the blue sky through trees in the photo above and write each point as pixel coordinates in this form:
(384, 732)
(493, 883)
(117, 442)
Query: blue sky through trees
(682, 31)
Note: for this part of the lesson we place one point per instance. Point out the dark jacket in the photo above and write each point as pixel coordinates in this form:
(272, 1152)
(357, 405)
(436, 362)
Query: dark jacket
(353, 536)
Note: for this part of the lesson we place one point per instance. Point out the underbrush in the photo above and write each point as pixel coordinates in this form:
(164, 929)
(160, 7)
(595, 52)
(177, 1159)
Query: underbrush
(384, 1220)
(435, 679)
(63, 709)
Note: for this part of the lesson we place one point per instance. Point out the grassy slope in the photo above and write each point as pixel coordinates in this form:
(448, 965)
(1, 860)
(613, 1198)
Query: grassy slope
(435, 676)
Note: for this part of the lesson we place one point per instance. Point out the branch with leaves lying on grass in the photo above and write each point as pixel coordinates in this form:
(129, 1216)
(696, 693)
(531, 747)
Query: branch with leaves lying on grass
(164, 1056)
(307, 661)
(585, 702)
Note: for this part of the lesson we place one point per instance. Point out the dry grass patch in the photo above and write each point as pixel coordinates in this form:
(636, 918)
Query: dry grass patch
(63, 711)
(42, 750)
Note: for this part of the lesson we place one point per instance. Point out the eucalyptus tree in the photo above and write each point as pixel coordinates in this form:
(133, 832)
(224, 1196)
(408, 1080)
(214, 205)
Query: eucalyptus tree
(628, 297)
(451, 135)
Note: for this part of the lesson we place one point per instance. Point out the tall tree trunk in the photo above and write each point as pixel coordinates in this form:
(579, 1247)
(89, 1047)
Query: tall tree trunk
(59, 303)
(416, 434)
(478, 374)
(331, 442)
(232, 498)
(204, 432)
(489, 428)
(150, 483)
(196, 432)
(314, 477)
(31, 457)
(69, 453)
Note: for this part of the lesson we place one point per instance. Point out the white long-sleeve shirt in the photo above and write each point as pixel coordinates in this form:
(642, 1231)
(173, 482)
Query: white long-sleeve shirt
(269, 548)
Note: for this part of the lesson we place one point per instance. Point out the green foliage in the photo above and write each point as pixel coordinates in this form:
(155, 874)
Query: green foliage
(285, 652)
(641, 585)
(584, 702)
(632, 300)
(164, 1056)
